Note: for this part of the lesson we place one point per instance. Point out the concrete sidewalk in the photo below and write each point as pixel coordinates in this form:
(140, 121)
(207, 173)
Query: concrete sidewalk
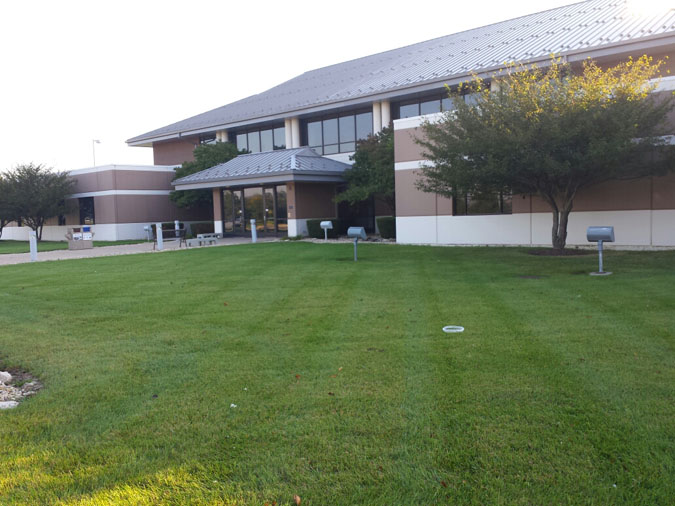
(106, 251)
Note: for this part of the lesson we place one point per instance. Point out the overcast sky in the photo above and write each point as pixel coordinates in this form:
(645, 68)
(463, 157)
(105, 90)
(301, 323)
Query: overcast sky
(74, 71)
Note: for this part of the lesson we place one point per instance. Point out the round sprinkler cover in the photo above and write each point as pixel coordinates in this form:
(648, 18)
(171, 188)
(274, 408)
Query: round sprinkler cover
(452, 329)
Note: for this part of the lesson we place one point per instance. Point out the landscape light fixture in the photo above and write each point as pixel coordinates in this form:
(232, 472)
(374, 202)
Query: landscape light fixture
(356, 233)
(600, 235)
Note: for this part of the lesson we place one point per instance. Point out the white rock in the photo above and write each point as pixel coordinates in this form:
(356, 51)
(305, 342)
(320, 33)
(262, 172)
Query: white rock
(5, 377)
(8, 404)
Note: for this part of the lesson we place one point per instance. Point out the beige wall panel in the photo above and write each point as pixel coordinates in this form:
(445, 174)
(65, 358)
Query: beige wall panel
(105, 209)
(143, 180)
(174, 152)
(143, 208)
(95, 181)
(315, 201)
(405, 148)
(217, 204)
(290, 200)
(413, 202)
(664, 192)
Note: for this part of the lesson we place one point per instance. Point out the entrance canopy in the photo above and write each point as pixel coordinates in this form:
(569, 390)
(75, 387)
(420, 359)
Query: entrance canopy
(270, 167)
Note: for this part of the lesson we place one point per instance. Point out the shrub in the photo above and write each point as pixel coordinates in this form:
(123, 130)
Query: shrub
(205, 227)
(387, 226)
(314, 228)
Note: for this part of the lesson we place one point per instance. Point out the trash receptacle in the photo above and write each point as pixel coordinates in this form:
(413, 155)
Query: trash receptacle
(80, 238)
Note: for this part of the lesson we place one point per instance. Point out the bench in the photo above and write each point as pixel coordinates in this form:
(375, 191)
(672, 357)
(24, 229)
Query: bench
(203, 239)
(170, 234)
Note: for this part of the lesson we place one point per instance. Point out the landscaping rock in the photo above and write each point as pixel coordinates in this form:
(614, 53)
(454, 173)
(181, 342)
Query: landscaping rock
(19, 386)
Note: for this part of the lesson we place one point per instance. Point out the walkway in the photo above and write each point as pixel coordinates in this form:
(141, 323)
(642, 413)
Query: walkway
(106, 251)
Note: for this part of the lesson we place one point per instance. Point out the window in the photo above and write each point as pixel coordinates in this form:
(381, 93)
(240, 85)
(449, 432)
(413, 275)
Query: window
(481, 203)
(338, 134)
(267, 139)
(87, 215)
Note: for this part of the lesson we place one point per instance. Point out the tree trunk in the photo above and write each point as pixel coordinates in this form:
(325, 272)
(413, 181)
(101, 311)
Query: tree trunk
(559, 231)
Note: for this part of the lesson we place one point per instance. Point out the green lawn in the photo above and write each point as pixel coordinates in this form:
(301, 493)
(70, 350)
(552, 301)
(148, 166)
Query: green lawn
(560, 391)
(23, 246)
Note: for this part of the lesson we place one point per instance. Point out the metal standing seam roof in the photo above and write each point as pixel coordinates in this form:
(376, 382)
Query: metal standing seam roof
(281, 162)
(576, 28)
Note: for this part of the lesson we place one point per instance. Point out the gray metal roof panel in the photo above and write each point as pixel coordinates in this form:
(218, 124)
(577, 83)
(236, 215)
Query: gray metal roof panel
(286, 161)
(565, 30)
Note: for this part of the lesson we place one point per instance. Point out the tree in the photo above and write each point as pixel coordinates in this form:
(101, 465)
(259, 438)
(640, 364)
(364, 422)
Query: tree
(551, 132)
(206, 156)
(36, 194)
(6, 208)
(372, 174)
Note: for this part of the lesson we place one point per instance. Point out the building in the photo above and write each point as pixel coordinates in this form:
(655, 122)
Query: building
(118, 201)
(331, 108)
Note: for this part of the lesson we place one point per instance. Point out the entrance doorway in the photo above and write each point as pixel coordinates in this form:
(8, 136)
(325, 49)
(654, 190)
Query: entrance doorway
(266, 204)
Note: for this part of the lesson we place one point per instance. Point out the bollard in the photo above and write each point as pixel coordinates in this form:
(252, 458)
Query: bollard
(160, 238)
(254, 231)
(32, 239)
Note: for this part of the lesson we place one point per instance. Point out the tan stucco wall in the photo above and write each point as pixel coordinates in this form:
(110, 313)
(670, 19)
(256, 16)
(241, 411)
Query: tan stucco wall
(312, 200)
(413, 202)
(174, 152)
(123, 180)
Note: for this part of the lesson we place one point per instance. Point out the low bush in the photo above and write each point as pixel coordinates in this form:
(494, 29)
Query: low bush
(205, 227)
(387, 226)
(314, 228)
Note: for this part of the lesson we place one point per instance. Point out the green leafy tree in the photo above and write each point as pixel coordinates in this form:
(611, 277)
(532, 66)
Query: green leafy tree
(551, 132)
(6, 199)
(372, 174)
(206, 156)
(37, 194)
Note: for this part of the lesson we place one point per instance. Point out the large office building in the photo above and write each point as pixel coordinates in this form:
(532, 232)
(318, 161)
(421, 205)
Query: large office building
(301, 134)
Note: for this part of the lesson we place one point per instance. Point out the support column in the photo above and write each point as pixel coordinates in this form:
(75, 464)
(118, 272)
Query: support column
(217, 211)
(295, 129)
(386, 113)
(377, 117)
(288, 132)
(221, 136)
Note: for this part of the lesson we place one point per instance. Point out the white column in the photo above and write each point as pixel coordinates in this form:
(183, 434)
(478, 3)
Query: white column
(221, 136)
(377, 117)
(295, 129)
(289, 133)
(386, 113)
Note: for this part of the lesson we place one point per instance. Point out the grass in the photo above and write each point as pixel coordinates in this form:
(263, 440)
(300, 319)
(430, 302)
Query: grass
(560, 391)
(24, 247)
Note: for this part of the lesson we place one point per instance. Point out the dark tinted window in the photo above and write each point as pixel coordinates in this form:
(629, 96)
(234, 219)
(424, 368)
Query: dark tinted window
(347, 129)
(280, 138)
(254, 142)
(409, 110)
(364, 125)
(241, 142)
(314, 134)
(330, 131)
(430, 106)
(266, 140)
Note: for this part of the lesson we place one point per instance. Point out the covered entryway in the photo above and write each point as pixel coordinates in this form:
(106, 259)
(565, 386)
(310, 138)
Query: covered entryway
(280, 189)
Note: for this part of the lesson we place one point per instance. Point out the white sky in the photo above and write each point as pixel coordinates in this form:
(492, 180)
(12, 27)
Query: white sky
(74, 71)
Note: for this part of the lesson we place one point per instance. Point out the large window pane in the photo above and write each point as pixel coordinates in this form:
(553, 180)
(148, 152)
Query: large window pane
(253, 202)
(280, 138)
(430, 106)
(282, 211)
(447, 105)
(254, 142)
(266, 140)
(330, 149)
(347, 129)
(471, 98)
(409, 110)
(364, 125)
(347, 147)
(330, 131)
(314, 134)
(241, 142)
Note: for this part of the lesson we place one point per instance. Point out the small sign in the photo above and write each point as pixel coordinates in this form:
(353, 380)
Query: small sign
(87, 236)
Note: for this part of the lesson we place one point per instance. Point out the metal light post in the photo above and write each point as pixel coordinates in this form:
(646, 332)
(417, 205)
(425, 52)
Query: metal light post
(93, 148)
